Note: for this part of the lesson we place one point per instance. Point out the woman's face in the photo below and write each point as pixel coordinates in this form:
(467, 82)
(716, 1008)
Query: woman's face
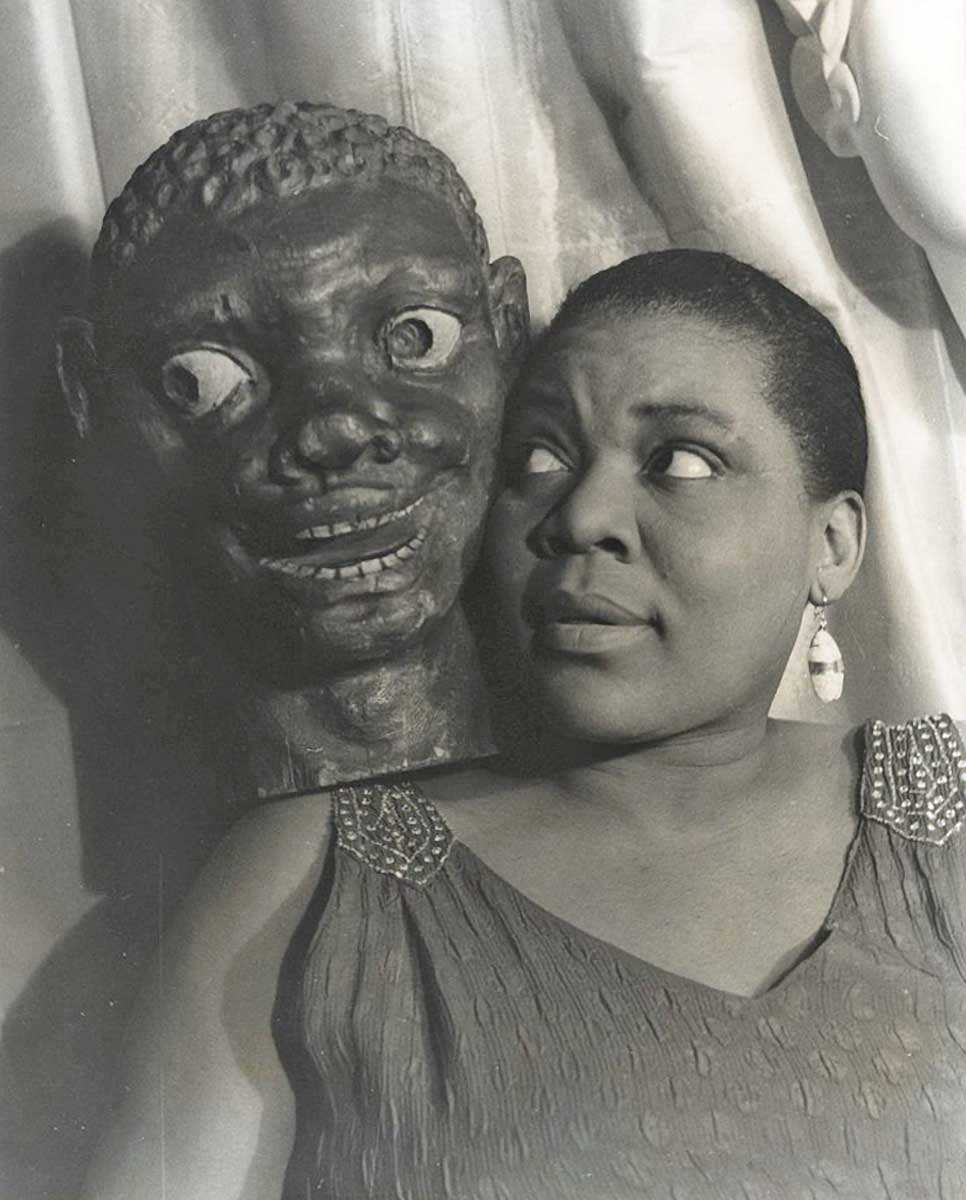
(653, 544)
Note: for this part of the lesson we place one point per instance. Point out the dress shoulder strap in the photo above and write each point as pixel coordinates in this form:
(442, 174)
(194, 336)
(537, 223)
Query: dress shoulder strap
(914, 778)
(393, 828)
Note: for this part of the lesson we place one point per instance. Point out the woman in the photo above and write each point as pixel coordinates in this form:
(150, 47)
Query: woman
(710, 955)
(683, 964)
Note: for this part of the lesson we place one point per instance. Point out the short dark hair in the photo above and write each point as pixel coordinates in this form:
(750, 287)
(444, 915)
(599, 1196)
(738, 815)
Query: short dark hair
(814, 385)
(235, 160)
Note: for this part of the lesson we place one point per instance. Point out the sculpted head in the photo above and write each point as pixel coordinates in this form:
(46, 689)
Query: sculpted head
(296, 331)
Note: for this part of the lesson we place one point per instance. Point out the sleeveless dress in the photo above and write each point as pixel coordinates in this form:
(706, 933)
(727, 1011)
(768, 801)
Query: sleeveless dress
(449, 1039)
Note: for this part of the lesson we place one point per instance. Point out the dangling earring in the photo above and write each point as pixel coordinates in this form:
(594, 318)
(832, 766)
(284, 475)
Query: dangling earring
(825, 666)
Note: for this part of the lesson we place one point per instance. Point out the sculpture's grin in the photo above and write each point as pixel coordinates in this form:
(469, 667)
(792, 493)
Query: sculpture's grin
(352, 546)
(372, 564)
(341, 528)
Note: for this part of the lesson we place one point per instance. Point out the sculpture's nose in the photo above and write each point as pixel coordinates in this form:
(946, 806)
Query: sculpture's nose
(332, 426)
(335, 438)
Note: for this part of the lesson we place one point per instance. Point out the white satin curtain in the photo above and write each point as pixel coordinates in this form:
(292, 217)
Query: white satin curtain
(588, 130)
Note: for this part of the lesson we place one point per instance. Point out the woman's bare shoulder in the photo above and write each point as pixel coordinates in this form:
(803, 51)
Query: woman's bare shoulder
(262, 859)
(474, 797)
(818, 746)
(837, 746)
(204, 1088)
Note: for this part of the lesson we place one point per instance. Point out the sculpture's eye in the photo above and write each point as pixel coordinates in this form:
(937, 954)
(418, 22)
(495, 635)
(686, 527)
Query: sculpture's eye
(419, 339)
(198, 382)
(541, 461)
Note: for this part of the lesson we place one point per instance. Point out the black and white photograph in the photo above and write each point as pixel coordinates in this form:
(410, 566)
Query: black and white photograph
(483, 600)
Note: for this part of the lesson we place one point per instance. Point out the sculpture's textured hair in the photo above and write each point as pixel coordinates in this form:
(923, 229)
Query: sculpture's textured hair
(235, 160)
(813, 385)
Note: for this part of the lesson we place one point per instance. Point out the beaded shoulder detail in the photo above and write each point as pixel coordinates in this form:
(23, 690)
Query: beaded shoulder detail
(393, 828)
(914, 778)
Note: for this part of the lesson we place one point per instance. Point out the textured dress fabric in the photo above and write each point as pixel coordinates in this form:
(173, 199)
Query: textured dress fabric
(449, 1039)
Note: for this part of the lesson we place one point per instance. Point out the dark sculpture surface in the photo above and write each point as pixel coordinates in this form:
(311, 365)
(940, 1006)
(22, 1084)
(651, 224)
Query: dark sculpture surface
(295, 358)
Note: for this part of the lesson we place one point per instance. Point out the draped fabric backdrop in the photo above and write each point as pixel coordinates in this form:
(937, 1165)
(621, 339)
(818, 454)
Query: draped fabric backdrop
(588, 130)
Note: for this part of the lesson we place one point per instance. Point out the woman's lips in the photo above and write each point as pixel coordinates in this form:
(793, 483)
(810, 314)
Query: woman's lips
(586, 623)
(566, 606)
(582, 637)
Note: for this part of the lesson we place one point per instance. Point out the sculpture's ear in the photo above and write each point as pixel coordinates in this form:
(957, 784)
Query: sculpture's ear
(77, 368)
(507, 285)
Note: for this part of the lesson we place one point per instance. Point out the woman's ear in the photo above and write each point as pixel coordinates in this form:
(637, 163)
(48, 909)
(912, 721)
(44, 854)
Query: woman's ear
(77, 369)
(843, 547)
(509, 308)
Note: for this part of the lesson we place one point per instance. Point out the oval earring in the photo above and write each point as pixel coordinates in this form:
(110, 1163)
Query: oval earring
(825, 666)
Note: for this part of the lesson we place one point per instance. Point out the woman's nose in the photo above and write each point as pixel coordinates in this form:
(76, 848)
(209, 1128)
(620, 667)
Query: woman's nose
(598, 513)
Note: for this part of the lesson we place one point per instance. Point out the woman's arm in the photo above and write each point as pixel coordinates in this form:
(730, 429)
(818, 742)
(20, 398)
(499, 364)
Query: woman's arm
(206, 1110)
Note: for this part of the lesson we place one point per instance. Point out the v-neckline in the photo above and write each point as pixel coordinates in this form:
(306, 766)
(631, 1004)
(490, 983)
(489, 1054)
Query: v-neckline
(823, 934)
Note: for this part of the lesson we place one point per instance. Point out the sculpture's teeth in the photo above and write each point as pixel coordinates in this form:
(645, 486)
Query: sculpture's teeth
(320, 533)
(403, 512)
(410, 547)
(280, 564)
(352, 570)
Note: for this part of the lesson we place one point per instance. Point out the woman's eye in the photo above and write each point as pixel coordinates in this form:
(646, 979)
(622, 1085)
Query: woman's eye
(540, 461)
(420, 339)
(680, 464)
(198, 382)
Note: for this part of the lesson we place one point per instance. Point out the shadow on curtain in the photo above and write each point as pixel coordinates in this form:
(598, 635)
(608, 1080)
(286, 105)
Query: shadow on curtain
(588, 131)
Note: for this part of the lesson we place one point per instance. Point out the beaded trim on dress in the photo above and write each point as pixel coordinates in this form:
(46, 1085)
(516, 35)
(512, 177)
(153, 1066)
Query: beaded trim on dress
(914, 778)
(393, 828)
(914, 781)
